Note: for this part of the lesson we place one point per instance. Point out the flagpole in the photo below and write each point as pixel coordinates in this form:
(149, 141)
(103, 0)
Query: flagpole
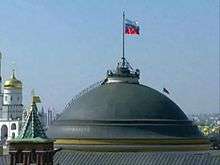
(123, 41)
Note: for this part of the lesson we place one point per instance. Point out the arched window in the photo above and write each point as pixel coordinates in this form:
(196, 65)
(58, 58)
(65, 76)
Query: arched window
(4, 133)
(6, 98)
(13, 135)
(13, 126)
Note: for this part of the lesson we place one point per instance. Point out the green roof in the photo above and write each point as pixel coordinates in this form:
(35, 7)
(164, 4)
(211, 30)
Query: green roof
(32, 128)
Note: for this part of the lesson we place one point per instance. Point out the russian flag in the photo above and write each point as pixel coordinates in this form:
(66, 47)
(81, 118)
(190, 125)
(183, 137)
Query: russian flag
(131, 27)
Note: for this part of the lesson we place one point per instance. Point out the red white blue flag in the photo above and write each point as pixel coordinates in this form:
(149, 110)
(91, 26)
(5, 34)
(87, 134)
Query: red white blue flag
(131, 27)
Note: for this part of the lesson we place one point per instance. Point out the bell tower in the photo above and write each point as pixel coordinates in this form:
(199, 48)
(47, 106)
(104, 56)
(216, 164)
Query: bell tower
(12, 100)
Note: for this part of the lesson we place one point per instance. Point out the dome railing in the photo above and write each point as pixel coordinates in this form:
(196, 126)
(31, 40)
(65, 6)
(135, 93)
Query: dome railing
(84, 91)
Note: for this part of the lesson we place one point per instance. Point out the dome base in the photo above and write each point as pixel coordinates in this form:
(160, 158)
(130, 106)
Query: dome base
(146, 145)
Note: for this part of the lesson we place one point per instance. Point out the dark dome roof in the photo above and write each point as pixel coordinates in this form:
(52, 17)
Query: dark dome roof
(123, 110)
(119, 101)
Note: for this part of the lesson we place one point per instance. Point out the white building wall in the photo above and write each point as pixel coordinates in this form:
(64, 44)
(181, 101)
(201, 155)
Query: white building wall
(12, 97)
(11, 100)
(13, 128)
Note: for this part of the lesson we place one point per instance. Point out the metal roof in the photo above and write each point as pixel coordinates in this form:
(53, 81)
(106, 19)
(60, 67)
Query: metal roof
(134, 158)
(130, 158)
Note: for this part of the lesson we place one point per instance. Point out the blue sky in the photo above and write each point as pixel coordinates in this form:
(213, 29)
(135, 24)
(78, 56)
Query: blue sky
(61, 47)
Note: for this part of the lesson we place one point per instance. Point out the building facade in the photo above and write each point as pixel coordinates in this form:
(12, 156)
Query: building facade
(11, 107)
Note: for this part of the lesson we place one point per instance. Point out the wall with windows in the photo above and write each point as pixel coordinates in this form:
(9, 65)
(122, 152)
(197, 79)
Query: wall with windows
(8, 130)
(12, 97)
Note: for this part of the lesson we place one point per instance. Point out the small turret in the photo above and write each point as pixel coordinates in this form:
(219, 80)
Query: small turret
(32, 144)
(32, 127)
(124, 73)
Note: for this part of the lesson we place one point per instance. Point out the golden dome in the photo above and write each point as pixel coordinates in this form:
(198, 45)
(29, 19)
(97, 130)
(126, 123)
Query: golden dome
(13, 83)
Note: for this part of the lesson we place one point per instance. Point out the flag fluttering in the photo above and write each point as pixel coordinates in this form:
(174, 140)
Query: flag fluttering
(131, 27)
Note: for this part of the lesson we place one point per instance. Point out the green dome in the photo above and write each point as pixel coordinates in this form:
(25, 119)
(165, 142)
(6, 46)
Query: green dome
(121, 114)
(123, 101)
(123, 110)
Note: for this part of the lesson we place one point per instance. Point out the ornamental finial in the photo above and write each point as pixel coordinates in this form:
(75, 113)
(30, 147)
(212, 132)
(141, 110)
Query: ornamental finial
(13, 73)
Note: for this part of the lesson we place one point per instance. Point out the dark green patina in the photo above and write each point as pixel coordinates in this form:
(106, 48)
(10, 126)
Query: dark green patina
(123, 110)
(120, 112)
(118, 101)
(32, 129)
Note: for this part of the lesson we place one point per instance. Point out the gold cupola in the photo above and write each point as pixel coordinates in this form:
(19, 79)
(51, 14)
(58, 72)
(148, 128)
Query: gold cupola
(13, 83)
